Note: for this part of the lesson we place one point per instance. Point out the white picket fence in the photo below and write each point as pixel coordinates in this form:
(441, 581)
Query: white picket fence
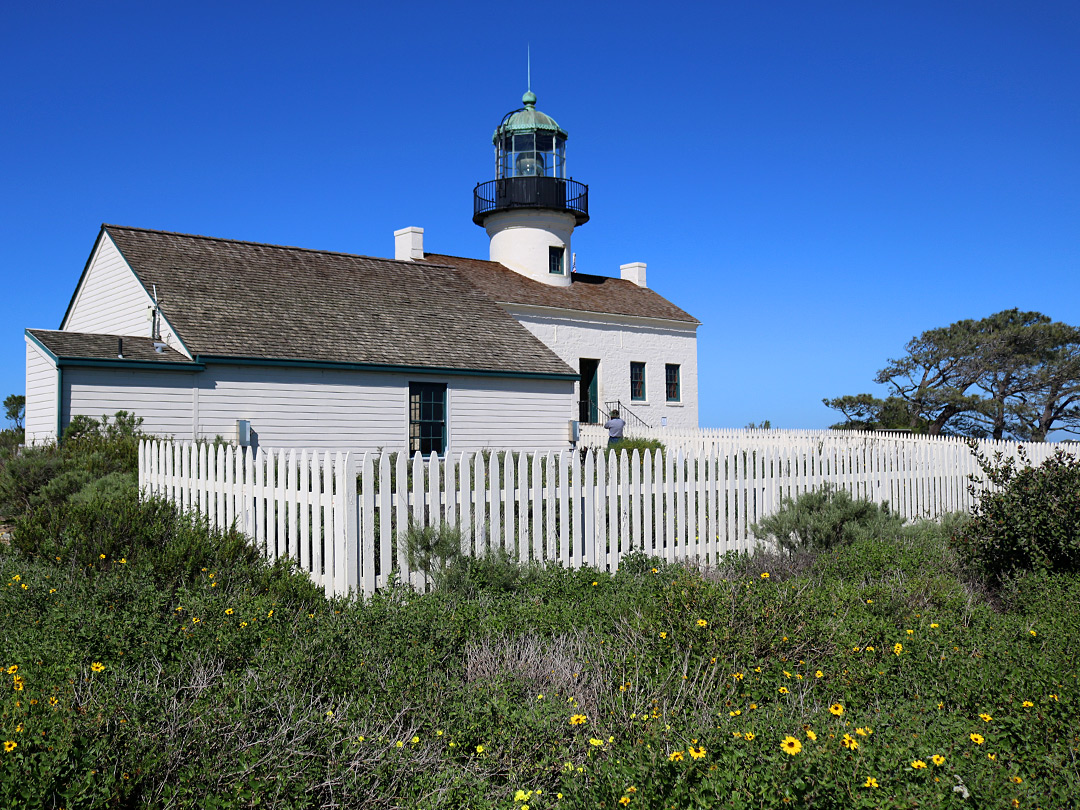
(341, 516)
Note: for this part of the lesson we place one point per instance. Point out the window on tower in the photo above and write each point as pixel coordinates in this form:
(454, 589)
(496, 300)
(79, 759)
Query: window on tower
(556, 257)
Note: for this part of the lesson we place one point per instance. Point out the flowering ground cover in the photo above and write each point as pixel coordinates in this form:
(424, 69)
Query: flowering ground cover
(875, 674)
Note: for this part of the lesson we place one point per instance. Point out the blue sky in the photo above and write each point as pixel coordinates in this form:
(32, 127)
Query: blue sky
(816, 182)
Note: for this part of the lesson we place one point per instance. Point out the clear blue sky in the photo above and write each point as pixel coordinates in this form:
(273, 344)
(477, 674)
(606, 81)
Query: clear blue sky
(816, 182)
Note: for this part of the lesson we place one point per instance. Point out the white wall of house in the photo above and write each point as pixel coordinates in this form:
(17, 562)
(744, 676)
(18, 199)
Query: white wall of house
(41, 401)
(323, 408)
(163, 399)
(111, 301)
(617, 341)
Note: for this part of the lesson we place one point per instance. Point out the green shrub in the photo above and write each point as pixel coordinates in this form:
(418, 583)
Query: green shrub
(1030, 523)
(826, 518)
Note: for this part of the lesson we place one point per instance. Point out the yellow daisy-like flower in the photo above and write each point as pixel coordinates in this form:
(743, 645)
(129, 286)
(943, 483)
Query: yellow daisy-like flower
(934, 626)
(578, 720)
(97, 666)
(102, 556)
(735, 713)
(748, 736)
(764, 574)
(10, 745)
(753, 705)
(790, 745)
(819, 674)
(991, 757)
(985, 718)
(54, 700)
(675, 756)
(479, 749)
(871, 782)
(656, 570)
(1015, 780)
(697, 753)
(702, 623)
(663, 635)
(12, 669)
(977, 739)
(17, 578)
(595, 742)
(864, 732)
(918, 764)
(243, 624)
(783, 690)
(414, 740)
(625, 800)
(938, 759)
(810, 735)
(837, 709)
(1033, 633)
(898, 648)
(1027, 704)
(399, 744)
(849, 742)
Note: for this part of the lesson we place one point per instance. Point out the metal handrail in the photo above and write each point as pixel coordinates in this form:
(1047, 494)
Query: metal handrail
(561, 194)
(624, 412)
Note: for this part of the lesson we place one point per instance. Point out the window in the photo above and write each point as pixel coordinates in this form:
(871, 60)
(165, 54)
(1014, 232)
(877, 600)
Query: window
(427, 418)
(671, 382)
(637, 381)
(555, 260)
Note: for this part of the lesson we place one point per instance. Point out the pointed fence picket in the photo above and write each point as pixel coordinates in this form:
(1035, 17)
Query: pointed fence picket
(343, 517)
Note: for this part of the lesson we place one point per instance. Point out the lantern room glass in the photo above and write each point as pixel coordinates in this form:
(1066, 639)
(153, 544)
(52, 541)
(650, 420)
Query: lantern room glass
(530, 154)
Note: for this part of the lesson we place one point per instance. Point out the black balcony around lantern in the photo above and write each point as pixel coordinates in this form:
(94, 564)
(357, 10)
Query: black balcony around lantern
(552, 193)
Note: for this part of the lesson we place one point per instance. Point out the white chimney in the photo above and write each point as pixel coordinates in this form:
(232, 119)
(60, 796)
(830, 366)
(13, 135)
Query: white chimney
(635, 272)
(409, 244)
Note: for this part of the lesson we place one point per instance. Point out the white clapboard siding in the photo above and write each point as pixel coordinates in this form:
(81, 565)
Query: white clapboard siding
(110, 300)
(161, 399)
(343, 517)
(40, 417)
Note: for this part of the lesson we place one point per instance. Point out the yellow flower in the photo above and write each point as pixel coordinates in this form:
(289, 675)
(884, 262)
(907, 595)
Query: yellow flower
(102, 556)
(595, 742)
(195, 620)
(898, 648)
(594, 583)
(414, 740)
(934, 626)
(1015, 780)
(783, 690)
(837, 709)
(991, 757)
(702, 623)
(625, 800)
(399, 744)
(810, 735)
(869, 649)
(479, 749)
(1027, 704)
(54, 700)
(578, 720)
(97, 666)
(849, 742)
(1033, 632)
(123, 560)
(18, 683)
(243, 624)
(697, 753)
(918, 764)
(656, 570)
(871, 782)
(764, 574)
(790, 745)
(18, 578)
(910, 632)
(271, 613)
(977, 739)
(675, 756)
(819, 674)
(869, 601)
(985, 718)
(10, 745)
(787, 674)
(228, 611)
(663, 635)
(753, 705)
(748, 736)
(12, 669)
(938, 759)
(735, 713)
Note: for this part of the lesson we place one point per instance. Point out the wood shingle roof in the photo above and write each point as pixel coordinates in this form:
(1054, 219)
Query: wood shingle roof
(227, 298)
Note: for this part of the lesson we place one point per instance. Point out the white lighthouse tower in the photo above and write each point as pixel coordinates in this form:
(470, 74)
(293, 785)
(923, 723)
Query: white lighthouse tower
(531, 208)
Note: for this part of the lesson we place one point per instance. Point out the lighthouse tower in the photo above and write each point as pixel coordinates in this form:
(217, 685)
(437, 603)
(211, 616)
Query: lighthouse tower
(531, 208)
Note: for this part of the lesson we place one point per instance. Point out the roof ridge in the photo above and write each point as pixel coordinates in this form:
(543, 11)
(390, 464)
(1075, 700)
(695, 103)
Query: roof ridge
(106, 226)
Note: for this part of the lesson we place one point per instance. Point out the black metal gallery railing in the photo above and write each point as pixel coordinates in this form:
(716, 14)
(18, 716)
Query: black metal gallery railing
(554, 193)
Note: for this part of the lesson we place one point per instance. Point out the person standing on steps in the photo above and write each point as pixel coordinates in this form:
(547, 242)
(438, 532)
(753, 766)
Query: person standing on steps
(614, 427)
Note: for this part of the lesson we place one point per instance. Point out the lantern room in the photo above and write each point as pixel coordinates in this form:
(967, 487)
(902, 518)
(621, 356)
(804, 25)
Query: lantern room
(529, 143)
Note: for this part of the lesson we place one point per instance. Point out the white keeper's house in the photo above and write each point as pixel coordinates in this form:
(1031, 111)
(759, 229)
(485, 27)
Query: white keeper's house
(291, 347)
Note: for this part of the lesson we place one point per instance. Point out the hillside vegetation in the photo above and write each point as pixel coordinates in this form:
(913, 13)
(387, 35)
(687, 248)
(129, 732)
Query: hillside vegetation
(150, 662)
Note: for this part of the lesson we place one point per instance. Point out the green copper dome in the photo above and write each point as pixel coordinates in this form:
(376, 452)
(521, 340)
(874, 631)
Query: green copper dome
(528, 119)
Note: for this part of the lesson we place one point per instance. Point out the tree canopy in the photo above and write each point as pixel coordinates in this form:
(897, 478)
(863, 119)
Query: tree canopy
(1013, 374)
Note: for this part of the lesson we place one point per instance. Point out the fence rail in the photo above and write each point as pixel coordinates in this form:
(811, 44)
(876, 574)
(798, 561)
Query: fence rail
(342, 516)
